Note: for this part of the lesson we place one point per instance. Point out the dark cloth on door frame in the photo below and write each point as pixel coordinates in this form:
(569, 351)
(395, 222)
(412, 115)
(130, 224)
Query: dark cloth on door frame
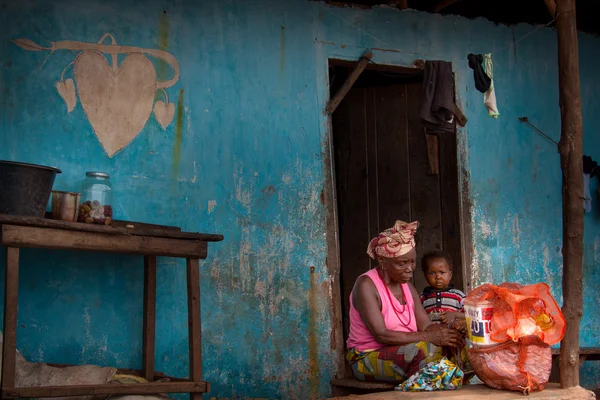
(437, 108)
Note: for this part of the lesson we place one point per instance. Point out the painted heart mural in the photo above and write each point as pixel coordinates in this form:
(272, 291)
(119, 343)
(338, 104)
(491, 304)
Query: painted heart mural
(117, 99)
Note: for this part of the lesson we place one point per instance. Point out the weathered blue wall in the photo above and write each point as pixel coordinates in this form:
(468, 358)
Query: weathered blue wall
(248, 158)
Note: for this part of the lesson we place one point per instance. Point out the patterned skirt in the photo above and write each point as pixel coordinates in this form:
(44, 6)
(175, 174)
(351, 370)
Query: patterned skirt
(395, 364)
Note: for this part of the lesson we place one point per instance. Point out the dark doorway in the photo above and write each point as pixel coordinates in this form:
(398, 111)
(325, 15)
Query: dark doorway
(382, 169)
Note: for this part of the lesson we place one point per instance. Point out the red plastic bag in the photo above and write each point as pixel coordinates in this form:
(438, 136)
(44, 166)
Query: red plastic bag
(526, 321)
(522, 366)
(521, 311)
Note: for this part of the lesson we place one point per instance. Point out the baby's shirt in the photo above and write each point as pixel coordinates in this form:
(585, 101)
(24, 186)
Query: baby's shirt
(436, 301)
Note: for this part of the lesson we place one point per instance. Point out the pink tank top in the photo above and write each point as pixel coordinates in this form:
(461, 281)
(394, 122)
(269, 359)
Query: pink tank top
(360, 338)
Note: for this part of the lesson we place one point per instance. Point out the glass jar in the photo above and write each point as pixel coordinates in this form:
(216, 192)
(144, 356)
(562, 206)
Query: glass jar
(96, 199)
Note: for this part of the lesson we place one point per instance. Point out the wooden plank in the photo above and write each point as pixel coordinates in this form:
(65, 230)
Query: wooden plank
(22, 236)
(52, 223)
(149, 328)
(571, 153)
(107, 389)
(461, 118)
(349, 144)
(450, 201)
(143, 225)
(409, 72)
(332, 262)
(147, 230)
(158, 233)
(424, 187)
(372, 102)
(11, 300)
(117, 223)
(194, 319)
(433, 153)
(393, 174)
(341, 93)
(355, 383)
(587, 351)
(443, 5)
(129, 371)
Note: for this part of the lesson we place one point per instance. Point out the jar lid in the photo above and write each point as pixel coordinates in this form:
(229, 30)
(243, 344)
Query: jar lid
(95, 174)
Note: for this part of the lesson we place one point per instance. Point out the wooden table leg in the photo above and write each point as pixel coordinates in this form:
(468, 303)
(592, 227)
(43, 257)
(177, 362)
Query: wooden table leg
(149, 339)
(194, 323)
(11, 294)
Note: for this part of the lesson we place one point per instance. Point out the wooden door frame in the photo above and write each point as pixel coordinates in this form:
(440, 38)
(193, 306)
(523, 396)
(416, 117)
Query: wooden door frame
(333, 261)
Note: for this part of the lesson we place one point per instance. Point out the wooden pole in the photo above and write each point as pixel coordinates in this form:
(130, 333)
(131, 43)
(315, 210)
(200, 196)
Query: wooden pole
(551, 7)
(341, 93)
(571, 155)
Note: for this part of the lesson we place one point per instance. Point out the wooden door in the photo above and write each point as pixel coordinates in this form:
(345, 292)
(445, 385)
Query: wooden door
(382, 175)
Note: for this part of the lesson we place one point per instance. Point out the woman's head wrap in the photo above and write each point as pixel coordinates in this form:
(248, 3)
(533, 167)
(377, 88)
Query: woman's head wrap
(395, 241)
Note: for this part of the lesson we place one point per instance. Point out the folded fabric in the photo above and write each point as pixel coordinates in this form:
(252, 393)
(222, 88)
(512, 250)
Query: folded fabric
(437, 375)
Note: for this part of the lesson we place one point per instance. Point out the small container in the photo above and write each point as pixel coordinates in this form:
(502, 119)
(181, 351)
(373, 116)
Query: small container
(65, 205)
(479, 322)
(96, 199)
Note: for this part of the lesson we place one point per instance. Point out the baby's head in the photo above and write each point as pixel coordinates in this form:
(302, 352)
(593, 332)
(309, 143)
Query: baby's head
(437, 266)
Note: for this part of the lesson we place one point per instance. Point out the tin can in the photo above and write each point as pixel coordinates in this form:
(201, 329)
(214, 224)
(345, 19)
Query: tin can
(479, 322)
(65, 205)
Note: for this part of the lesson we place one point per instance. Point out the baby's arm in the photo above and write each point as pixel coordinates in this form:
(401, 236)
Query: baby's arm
(455, 320)
(449, 317)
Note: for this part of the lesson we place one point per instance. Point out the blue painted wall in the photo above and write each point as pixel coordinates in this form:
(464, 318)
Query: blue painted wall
(248, 158)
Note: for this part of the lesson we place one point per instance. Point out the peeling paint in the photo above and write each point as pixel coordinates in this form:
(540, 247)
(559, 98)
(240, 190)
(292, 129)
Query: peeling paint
(313, 354)
(211, 206)
(178, 136)
(486, 230)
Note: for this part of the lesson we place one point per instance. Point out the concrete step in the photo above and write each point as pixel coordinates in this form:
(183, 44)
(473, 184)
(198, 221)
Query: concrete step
(479, 392)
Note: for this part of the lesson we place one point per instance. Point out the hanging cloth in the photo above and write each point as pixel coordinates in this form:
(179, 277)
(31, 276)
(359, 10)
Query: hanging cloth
(482, 81)
(437, 107)
(489, 97)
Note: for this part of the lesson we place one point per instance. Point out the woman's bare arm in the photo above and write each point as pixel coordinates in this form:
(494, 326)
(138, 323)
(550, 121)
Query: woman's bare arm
(366, 301)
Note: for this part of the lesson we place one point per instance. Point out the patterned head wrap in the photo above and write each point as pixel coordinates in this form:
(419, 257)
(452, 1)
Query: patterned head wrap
(395, 241)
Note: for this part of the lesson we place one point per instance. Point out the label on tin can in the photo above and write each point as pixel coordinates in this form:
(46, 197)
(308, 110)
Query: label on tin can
(479, 323)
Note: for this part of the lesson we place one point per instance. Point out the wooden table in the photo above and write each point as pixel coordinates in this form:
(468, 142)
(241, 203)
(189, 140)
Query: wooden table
(126, 238)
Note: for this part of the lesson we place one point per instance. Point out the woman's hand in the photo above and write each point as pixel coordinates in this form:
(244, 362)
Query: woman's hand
(461, 326)
(444, 337)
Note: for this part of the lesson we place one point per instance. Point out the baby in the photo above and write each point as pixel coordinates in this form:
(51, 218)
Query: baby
(441, 300)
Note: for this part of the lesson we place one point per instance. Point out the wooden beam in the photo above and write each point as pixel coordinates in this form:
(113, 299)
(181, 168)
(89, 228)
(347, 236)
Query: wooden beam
(11, 295)
(433, 153)
(149, 333)
(194, 322)
(551, 5)
(571, 154)
(341, 93)
(443, 4)
(103, 390)
(26, 236)
(461, 119)
(119, 229)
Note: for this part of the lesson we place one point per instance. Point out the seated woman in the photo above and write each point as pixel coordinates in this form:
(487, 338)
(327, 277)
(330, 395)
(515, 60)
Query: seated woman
(391, 336)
